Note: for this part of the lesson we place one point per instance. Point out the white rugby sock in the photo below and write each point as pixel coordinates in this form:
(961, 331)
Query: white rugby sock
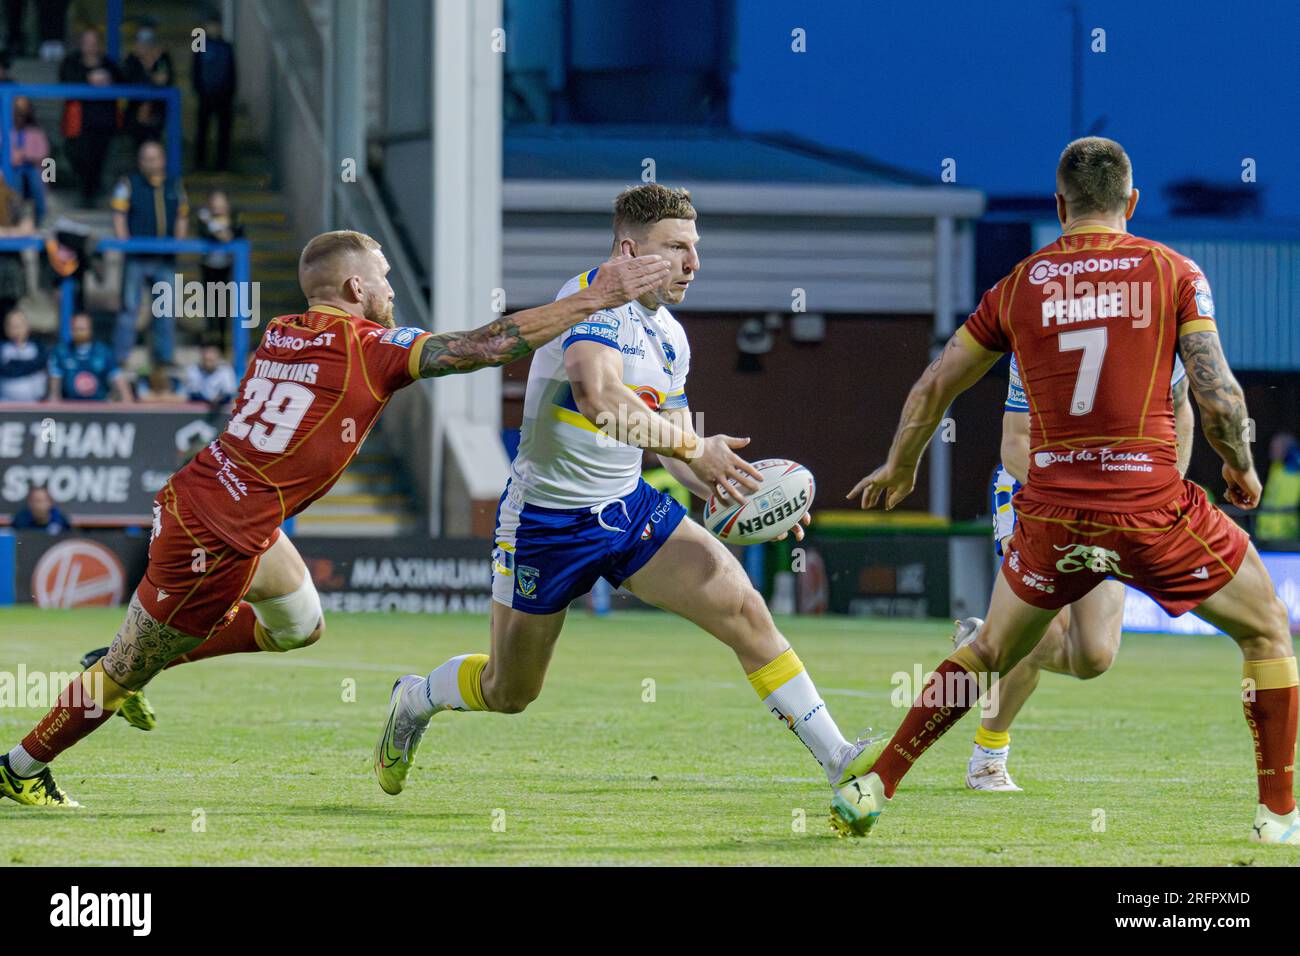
(787, 691)
(981, 753)
(445, 685)
(24, 764)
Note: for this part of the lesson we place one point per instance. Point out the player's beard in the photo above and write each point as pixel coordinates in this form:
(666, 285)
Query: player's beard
(381, 313)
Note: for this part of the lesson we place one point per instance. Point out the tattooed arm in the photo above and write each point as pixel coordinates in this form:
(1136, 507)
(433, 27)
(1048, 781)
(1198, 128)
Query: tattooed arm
(960, 365)
(617, 283)
(1223, 413)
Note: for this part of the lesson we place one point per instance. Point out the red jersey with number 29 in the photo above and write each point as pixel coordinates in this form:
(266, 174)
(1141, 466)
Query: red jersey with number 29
(1093, 320)
(314, 388)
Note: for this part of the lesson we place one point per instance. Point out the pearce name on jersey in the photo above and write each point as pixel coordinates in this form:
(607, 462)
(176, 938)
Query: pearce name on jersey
(1096, 356)
(566, 462)
(313, 390)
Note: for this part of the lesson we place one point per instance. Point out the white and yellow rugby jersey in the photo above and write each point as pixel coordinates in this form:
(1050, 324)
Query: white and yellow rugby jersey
(564, 461)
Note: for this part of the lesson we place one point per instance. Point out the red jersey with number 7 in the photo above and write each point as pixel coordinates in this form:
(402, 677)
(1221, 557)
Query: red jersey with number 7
(1094, 320)
(314, 388)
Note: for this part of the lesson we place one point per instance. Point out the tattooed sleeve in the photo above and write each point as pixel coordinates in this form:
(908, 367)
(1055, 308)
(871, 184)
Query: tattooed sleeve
(143, 647)
(1221, 400)
(496, 343)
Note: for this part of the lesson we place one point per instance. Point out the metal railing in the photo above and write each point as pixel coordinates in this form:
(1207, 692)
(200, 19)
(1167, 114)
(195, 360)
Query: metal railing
(84, 91)
(243, 318)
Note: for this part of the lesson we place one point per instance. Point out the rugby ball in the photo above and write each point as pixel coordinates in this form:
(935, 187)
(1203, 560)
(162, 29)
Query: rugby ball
(785, 495)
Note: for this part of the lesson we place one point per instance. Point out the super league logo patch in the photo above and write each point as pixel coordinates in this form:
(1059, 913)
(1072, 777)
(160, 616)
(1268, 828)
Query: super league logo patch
(599, 330)
(403, 336)
(1204, 299)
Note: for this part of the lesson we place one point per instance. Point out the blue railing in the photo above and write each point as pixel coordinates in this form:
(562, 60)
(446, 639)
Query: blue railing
(241, 273)
(84, 91)
(114, 30)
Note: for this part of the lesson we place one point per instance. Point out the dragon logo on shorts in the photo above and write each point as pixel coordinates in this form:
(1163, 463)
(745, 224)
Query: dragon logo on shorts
(526, 580)
(1087, 557)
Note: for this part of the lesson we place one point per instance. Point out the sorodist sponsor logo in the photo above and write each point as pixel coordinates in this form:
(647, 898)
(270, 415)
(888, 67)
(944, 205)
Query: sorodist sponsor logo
(1045, 269)
(41, 689)
(75, 908)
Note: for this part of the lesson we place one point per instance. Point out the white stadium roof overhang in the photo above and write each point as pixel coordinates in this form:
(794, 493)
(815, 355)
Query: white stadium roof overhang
(892, 249)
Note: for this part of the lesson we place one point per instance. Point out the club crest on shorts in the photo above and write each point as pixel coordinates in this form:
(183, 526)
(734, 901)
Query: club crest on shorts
(526, 580)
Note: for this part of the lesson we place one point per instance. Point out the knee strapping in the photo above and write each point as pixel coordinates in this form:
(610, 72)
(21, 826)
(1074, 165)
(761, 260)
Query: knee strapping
(290, 620)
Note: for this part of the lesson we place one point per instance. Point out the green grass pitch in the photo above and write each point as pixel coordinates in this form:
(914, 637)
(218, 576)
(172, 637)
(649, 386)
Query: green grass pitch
(265, 759)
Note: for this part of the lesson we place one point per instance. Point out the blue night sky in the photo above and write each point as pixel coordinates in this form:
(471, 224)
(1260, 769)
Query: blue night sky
(1189, 87)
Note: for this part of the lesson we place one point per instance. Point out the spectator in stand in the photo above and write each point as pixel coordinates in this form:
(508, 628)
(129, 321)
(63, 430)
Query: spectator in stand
(22, 362)
(1278, 517)
(213, 75)
(6, 64)
(51, 28)
(89, 125)
(218, 223)
(40, 513)
(30, 147)
(161, 388)
(84, 370)
(15, 221)
(148, 64)
(212, 380)
(148, 203)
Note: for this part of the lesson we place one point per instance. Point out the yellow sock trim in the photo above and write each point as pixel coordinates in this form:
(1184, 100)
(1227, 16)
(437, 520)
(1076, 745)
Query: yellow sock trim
(262, 638)
(468, 680)
(967, 658)
(776, 672)
(1273, 674)
(992, 739)
(98, 687)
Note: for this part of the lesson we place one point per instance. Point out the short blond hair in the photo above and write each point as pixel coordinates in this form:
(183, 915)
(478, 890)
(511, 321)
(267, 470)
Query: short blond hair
(640, 206)
(1094, 175)
(329, 245)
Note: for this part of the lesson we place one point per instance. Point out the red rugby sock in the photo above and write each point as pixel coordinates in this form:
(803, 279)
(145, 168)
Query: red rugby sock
(1271, 717)
(237, 637)
(951, 691)
(75, 715)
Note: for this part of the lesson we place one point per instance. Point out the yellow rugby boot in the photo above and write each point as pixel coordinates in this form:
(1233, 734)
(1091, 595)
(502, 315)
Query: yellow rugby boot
(37, 791)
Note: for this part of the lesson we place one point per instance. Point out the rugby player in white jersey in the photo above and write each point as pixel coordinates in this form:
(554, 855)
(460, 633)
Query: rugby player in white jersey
(576, 509)
(1084, 638)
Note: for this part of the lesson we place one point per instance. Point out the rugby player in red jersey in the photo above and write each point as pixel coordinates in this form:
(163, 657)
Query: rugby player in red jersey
(1094, 320)
(221, 578)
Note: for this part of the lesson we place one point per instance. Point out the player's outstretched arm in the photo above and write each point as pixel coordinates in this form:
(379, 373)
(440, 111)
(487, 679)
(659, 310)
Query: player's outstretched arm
(511, 337)
(1223, 413)
(960, 365)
